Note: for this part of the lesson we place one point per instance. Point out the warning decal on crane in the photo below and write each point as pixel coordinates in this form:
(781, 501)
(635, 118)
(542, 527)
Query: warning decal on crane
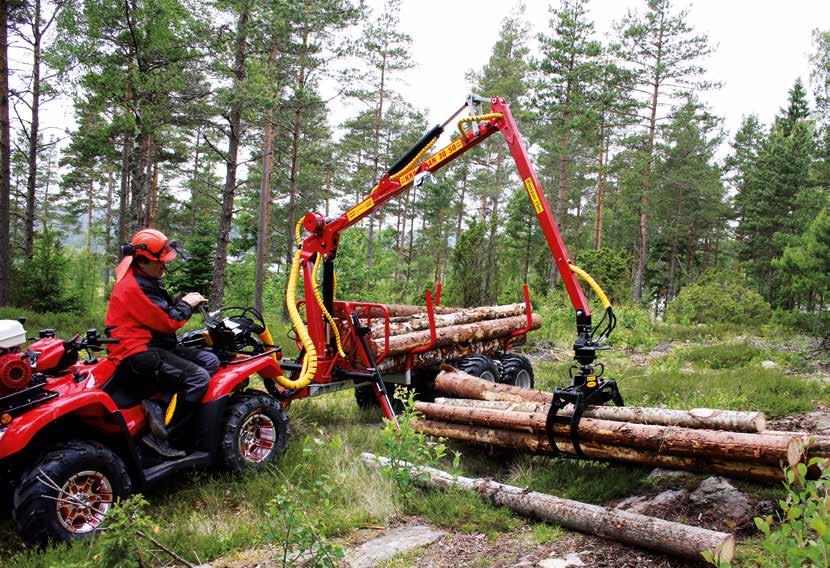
(360, 208)
(533, 194)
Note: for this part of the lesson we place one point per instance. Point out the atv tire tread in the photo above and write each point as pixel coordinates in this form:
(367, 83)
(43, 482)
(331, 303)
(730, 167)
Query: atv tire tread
(513, 364)
(241, 407)
(34, 516)
(478, 365)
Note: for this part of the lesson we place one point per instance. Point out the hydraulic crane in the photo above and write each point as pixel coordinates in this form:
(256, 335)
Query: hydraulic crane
(323, 356)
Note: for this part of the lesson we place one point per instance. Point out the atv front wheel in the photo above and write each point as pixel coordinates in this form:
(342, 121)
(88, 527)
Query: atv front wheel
(68, 492)
(255, 433)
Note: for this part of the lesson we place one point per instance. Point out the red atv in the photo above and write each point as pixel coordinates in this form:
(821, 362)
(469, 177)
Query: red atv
(70, 427)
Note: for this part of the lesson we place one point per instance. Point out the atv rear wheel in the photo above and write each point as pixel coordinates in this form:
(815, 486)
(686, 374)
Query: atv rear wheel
(68, 492)
(481, 367)
(517, 370)
(255, 432)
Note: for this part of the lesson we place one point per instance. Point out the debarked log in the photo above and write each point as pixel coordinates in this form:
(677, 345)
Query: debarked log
(673, 440)
(538, 444)
(702, 418)
(623, 526)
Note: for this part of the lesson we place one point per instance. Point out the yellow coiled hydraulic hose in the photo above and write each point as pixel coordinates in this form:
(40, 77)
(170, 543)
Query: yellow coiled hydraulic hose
(310, 361)
(326, 313)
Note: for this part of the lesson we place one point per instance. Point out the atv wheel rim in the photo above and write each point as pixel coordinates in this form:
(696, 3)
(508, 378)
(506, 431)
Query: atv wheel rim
(256, 438)
(488, 376)
(84, 501)
(522, 379)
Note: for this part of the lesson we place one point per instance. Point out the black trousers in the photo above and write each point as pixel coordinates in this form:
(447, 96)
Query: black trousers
(181, 370)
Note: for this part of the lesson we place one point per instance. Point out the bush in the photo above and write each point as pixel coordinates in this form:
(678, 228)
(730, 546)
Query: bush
(609, 267)
(719, 298)
(40, 283)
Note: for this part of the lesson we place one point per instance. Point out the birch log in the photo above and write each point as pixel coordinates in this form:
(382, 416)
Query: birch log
(538, 444)
(704, 418)
(734, 446)
(623, 526)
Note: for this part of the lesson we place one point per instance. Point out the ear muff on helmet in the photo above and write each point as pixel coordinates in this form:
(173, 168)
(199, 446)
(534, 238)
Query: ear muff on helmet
(127, 249)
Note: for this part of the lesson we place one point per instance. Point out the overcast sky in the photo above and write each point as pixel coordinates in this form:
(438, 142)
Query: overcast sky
(762, 46)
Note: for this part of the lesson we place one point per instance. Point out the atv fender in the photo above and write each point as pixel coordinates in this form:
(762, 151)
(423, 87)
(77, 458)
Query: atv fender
(91, 404)
(237, 373)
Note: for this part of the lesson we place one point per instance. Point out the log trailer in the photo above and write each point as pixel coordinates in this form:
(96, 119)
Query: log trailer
(330, 324)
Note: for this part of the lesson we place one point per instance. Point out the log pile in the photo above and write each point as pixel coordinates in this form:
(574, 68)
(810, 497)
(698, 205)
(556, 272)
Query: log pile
(459, 332)
(640, 530)
(725, 442)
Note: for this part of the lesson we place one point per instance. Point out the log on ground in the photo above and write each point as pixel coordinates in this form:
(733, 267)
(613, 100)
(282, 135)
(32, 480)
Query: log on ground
(623, 526)
(700, 418)
(538, 444)
(735, 446)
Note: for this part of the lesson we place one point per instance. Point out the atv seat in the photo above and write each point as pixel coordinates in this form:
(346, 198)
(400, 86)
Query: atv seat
(128, 390)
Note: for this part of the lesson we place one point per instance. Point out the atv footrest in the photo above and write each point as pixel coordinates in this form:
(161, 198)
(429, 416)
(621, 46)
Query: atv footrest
(187, 462)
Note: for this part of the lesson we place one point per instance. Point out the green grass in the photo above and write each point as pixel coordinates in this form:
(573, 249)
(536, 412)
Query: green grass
(211, 514)
(463, 511)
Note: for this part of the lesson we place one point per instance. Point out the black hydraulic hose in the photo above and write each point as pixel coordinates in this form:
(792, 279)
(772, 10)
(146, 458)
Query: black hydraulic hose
(433, 133)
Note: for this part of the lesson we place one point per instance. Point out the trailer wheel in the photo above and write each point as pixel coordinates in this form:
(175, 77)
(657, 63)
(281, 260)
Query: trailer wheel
(66, 495)
(517, 370)
(481, 367)
(255, 432)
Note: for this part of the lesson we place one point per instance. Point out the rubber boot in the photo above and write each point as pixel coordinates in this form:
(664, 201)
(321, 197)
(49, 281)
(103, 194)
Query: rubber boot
(154, 413)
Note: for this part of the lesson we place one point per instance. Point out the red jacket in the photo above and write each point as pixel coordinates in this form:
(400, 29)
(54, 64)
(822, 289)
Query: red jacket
(142, 313)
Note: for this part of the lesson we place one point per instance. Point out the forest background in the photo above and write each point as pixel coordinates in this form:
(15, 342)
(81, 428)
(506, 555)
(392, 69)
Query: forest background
(221, 122)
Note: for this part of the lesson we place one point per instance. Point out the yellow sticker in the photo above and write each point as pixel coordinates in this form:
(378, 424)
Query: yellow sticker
(533, 194)
(360, 209)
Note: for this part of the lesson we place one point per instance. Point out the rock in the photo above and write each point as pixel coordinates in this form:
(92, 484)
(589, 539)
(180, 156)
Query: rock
(654, 505)
(660, 474)
(570, 559)
(389, 544)
(662, 348)
(822, 422)
(723, 499)
(768, 364)
(766, 507)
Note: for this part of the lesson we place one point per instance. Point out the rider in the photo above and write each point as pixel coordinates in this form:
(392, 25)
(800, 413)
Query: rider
(145, 318)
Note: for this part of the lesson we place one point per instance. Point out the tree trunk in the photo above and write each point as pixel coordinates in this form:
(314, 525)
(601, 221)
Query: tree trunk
(5, 157)
(90, 193)
(264, 221)
(538, 444)
(123, 193)
(194, 181)
(731, 446)
(623, 526)
(376, 155)
(600, 212)
(295, 153)
(108, 222)
(153, 200)
(701, 418)
(235, 124)
(34, 132)
(461, 198)
(639, 276)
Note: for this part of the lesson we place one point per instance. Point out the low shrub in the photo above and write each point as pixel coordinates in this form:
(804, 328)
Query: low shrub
(718, 298)
(723, 356)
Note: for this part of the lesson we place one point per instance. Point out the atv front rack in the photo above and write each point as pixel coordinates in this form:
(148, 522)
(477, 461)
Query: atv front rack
(16, 402)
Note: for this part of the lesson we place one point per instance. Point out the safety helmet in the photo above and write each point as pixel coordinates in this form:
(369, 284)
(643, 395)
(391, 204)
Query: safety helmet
(147, 243)
(152, 244)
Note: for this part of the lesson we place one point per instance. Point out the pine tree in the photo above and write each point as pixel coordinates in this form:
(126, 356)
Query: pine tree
(661, 47)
